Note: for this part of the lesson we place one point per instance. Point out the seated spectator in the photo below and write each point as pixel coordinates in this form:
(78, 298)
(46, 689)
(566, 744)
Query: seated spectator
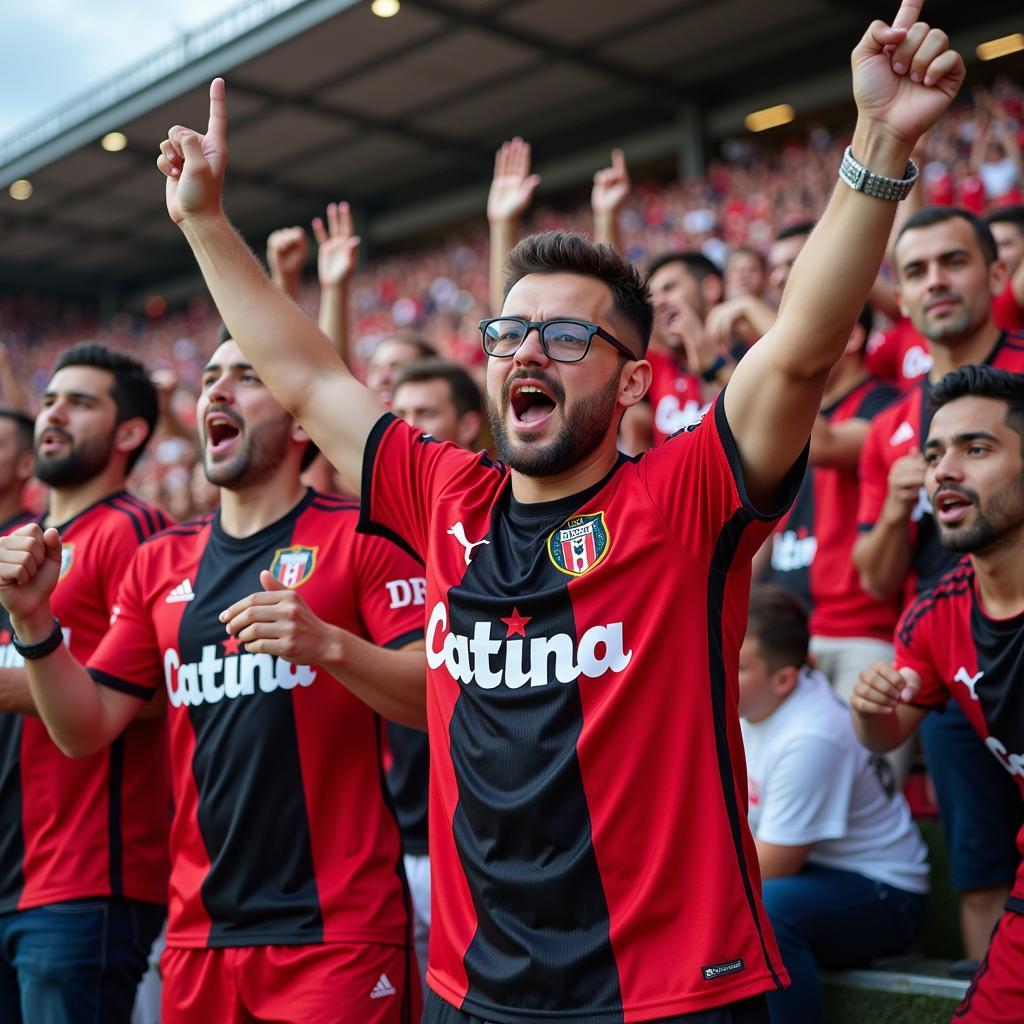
(844, 868)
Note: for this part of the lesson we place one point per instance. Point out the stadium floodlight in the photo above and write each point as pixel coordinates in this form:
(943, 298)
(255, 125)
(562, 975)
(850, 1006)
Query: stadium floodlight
(770, 117)
(1001, 47)
(385, 8)
(114, 142)
(21, 189)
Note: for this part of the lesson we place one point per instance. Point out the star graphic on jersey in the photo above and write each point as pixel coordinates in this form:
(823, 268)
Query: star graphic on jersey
(5, 637)
(231, 645)
(516, 624)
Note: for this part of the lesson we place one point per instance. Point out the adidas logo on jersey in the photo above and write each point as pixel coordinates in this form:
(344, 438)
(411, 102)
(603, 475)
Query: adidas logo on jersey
(472, 659)
(383, 988)
(213, 679)
(181, 593)
(904, 432)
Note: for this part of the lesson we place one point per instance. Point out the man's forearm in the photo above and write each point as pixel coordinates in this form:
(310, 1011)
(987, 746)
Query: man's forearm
(879, 733)
(15, 696)
(606, 229)
(882, 557)
(334, 316)
(503, 238)
(393, 683)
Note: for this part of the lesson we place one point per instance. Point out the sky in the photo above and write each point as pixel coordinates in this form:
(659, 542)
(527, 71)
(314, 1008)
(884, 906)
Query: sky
(55, 49)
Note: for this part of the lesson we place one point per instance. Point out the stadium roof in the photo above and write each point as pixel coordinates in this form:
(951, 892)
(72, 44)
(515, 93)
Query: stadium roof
(401, 116)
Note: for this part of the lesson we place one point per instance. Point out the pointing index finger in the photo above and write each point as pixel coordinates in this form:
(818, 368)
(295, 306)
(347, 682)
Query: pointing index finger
(909, 12)
(218, 124)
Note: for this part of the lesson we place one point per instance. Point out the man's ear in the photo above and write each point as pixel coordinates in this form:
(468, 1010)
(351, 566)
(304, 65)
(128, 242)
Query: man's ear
(784, 680)
(467, 429)
(130, 435)
(712, 288)
(634, 382)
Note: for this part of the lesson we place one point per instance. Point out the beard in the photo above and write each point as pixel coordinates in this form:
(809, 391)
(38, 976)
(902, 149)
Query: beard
(82, 463)
(261, 452)
(584, 427)
(1003, 516)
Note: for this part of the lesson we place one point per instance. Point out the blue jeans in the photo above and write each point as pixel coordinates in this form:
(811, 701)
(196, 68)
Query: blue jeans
(77, 962)
(833, 919)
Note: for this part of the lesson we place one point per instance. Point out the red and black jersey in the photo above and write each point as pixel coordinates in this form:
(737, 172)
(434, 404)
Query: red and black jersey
(675, 395)
(97, 825)
(811, 546)
(895, 432)
(946, 637)
(588, 839)
(900, 354)
(282, 834)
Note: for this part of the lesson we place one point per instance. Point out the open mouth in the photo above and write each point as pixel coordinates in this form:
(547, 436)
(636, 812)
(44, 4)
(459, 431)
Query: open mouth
(531, 404)
(53, 440)
(221, 432)
(951, 507)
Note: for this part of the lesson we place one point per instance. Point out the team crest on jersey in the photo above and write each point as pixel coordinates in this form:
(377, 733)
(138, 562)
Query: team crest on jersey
(67, 558)
(579, 544)
(293, 566)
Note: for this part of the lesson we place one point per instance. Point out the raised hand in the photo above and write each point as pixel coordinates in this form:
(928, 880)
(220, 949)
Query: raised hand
(29, 569)
(513, 185)
(194, 164)
(905, 75)
(339, 248)
(611, 185)
(287, 249)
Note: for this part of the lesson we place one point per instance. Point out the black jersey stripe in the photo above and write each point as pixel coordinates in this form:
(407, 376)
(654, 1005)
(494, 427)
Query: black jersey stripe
(12, 836)
(406, 638)
(121, 685)
(146, 511)
(115, 777)
(721, 562)
(133, 516)
(956, 581)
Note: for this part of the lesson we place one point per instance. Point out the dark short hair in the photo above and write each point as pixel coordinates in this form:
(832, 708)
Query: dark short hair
(749, 250)
(24, 428)
(985, 382)
(928, 216)
(462, 389)
(564, 252)
(778, 621)
(697, 265)
(1007, 215)
(799, 230)
(133, 392)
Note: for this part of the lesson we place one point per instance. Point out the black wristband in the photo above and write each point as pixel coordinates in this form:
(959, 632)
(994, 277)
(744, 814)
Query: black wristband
(709, 375)
(32, 652)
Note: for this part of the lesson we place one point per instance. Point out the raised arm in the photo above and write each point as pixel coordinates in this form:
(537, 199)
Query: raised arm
(335, 262)
(80, 716)
(299, 364)
(904, 77)
(287, 249)
(610, 191)
(512, 189)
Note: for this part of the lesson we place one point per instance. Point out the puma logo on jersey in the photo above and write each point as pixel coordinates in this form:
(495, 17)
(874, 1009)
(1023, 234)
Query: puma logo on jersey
(490, 662)
(215, 678)
(791, 552)
(407, 592)
(383, 988)
(458, 531)
(904, 432)
(670, 416)
(182, 593)
(963, 676)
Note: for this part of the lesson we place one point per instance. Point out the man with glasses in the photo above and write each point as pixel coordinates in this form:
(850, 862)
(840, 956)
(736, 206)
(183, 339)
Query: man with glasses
(584, 611)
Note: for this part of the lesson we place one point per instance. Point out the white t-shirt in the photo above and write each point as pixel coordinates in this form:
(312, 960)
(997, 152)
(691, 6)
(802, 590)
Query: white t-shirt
(811, 781)
(999, 177)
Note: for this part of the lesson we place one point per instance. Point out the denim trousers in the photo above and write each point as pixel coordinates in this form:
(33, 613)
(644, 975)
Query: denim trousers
(77, 962)
(833, 919)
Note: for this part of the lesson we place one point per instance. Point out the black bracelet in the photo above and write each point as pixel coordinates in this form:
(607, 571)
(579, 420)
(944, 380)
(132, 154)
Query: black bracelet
(32, 652)
(709, 375)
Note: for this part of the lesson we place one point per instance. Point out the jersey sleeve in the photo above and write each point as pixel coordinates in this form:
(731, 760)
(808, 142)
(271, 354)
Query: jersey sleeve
(873, 472)
(128, 656)
(806, 794)
(695, 481)
(392, 593)
(404, 474)
(913, 651)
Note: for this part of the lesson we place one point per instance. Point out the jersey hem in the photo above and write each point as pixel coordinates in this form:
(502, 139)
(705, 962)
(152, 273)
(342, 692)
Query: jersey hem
(721, 996)
(121, 685)
(43, 899)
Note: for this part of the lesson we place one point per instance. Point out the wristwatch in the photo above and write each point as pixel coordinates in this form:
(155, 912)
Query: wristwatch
(860, 179)
(32, 652)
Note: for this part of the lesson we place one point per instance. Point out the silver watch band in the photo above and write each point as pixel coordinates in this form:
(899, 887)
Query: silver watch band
(860, 179)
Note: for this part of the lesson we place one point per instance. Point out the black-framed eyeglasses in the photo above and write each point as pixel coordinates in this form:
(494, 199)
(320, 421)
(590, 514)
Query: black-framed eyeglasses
(565, 340)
